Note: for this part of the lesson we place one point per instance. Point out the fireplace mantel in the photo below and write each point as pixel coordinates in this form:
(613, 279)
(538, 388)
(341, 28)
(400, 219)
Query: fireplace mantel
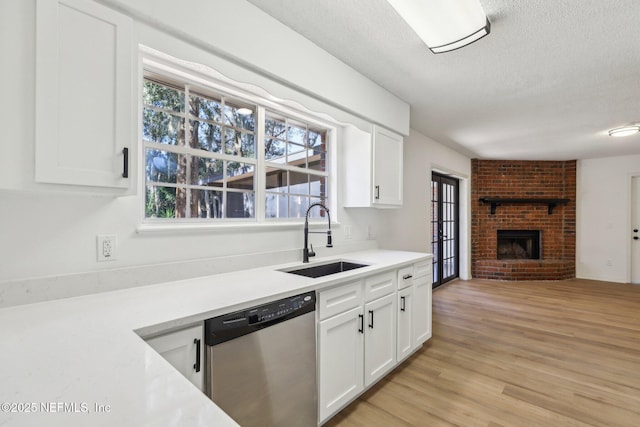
(499, 201)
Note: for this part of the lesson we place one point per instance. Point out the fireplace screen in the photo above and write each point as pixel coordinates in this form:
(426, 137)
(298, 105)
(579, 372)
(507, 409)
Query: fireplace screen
(519, 244)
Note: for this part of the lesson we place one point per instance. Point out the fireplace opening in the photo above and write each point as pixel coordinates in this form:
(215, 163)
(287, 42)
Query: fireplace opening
(519, 244)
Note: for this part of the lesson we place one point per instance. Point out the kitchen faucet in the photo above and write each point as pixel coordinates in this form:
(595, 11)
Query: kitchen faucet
(306, 253)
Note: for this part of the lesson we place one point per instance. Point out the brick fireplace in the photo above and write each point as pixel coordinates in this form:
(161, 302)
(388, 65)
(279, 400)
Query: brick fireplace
(523, 219)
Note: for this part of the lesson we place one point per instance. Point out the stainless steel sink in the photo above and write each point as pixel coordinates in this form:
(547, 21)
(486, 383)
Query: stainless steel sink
(322, 270)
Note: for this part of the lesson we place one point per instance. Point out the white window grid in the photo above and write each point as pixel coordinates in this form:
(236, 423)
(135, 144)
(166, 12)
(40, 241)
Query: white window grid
(260, 165)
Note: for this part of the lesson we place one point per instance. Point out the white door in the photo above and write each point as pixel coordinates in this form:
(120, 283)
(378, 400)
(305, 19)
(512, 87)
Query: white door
(380, 338)
(635, 230)
(183, 350)
(340, 353)
(405, 313)
(387, 168)
(421, 309)
(84, 94)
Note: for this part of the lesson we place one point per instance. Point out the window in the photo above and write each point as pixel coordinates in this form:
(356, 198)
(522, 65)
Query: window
(209, 156)
(296, 167)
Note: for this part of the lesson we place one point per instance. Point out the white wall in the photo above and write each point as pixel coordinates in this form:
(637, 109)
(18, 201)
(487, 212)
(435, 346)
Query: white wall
(408, 228)
(48, 233)
(604, 217)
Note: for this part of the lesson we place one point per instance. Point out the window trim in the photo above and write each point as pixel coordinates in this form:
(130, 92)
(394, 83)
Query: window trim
(171, 71)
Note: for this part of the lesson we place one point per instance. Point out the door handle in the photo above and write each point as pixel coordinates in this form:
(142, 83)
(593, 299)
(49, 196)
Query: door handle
(371, 319)
(125, 164)
(402, 304)
(196, 365)
(377, 192)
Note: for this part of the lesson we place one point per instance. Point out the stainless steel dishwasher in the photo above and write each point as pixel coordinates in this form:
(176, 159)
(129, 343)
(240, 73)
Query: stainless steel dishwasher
(261, 363)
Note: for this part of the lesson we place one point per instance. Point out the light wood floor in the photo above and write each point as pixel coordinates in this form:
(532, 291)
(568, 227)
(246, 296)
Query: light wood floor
(517, 354)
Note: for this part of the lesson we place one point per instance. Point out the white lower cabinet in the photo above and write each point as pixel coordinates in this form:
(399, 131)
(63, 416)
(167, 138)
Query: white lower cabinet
(379, 338)
(183, 350)
(405, 323)
(356, 347)
(340, 361)
(414, 307)
(422, 287)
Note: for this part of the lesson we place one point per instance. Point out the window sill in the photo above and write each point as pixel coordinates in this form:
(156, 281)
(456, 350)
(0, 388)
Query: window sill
(230, 227)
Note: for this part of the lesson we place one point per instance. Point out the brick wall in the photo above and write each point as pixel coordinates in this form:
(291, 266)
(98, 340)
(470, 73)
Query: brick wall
(523, 179)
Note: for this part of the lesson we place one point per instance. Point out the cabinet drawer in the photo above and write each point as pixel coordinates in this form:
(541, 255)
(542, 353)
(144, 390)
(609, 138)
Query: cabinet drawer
(379, 285)
(405, 277)
(339, 299)
(422, 268)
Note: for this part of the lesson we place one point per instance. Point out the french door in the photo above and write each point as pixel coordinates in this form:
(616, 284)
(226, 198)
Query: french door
(635, 230)
(444, 228)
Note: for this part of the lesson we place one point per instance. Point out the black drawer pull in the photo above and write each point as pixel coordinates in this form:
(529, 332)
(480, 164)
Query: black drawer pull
(196, 365)
(125, 165)
(407, 276)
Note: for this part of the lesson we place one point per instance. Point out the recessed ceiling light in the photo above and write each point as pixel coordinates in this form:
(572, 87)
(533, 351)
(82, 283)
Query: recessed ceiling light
(625, 130)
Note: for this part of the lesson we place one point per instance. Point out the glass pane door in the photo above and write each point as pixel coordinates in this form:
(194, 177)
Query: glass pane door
(444, 228)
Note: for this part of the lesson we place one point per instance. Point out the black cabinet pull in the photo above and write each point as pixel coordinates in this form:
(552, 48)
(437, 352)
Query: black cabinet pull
(377, 192)
(371, 319)
(407, 276)
(196, 365)
(636, 237)
(402, 304)
(125, 165)
(361, 329)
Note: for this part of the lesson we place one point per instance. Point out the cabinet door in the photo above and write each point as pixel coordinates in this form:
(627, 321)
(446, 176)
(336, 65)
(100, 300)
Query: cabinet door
(380, 338)
(183, 350)
(387, 168)
(405, 320)
(357, 155)
(84, 93)
(340, 367)
(421, 309)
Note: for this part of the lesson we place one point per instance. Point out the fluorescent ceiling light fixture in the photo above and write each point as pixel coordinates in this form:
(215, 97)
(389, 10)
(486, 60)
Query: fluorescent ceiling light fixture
(625, 130)
(444, 25)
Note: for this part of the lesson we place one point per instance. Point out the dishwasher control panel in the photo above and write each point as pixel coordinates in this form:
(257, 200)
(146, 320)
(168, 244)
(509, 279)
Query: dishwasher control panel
(232, 325)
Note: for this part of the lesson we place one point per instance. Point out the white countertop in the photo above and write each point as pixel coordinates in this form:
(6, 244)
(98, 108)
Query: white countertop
(79, 361)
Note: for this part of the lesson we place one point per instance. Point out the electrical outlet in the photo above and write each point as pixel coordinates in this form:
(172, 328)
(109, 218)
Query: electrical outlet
(106, 245)
(347, 232)
(370, 233)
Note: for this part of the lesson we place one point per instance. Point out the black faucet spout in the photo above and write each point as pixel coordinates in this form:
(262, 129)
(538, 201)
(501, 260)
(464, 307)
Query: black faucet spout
(306, 253)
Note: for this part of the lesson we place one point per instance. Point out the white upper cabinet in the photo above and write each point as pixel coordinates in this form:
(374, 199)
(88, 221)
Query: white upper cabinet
(84, 94)
(387, 168)
(372, 172)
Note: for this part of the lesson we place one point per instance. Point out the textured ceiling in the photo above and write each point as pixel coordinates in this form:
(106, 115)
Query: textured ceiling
(547, 83)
